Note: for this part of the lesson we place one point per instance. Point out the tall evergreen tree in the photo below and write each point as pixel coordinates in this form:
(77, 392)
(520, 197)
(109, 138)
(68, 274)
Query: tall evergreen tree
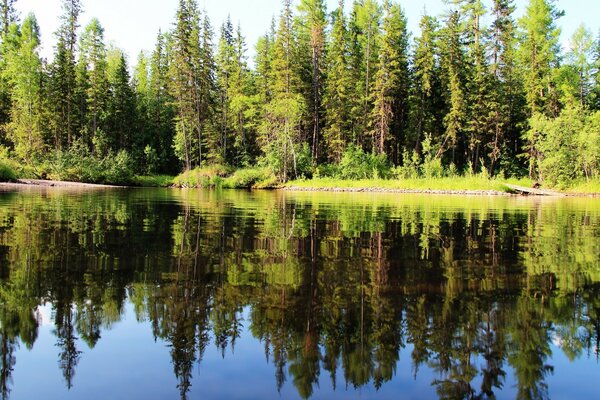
(121, 110)
(312, 14)
(225, 66)
(185, 82)
(23, 73)
(427, 101)
(280, 131)
(391, 83)
(454, 69)
(539, 56)
(93, 60)
(63, 121)
(337, 89)
(365, 27)
(507, 98)
(8, 15)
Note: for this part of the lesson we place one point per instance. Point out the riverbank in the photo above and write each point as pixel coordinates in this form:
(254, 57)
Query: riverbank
(476, 185)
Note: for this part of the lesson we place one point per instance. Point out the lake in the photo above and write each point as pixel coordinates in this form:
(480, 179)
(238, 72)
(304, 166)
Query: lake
(165, 294)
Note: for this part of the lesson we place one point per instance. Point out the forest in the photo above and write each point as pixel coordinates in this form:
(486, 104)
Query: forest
(347, 93)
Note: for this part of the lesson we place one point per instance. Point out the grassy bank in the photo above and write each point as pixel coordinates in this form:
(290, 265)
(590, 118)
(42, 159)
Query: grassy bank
(453, 184)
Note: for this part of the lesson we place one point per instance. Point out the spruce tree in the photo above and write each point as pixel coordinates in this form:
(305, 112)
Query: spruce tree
(280, 131)
(539, 55)
(121, 115)
(454, 70)
(185, 81)
(93, 56)
(338, 84)
(23, 73)
(8, 16)
(365, 23)
(64, 121)
(427, 99)
(312, 16)
(391, 83)
(507, 97)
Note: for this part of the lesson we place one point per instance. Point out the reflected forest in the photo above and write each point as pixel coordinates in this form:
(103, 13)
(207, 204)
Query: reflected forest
(475, 290)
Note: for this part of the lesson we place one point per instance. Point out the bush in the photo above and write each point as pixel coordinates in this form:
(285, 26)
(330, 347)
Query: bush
(78, 164)
(251, 177)
(208, 176)
(356, 164)
(7, 174)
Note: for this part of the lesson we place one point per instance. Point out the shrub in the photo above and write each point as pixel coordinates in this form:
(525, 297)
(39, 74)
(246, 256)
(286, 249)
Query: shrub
(251, 177)
(356, 164)
(7, 174)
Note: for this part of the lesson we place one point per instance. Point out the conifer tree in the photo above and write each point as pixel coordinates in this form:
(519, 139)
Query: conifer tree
(426, 91)
(93, 57)
(8, 16)
(313, 23)
(539, 56)
(184, 87)
(280, 131)
(64, 120)
(391, 83)
(225, 66)
(23, 73)
(507, 98)
(337, 89)
(121, 119)
(365, 23)
(454, 69)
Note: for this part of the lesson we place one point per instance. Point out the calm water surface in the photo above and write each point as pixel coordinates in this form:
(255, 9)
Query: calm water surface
(161, 294)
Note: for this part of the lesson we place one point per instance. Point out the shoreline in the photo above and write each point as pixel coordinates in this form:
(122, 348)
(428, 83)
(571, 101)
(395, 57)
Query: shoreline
(40, 183)
(516, 191)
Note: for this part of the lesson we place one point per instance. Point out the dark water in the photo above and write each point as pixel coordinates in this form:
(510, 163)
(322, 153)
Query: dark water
(159, 294)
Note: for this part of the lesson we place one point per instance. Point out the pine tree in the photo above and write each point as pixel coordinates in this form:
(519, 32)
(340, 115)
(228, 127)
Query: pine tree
(8, 16)
(161, 132)
(365, 28)
(121, 115)
(280, 131)
(391, 83)
(454, 69)
(426, 91)
(539, 56)
(23, 73)
(225, 66)
(507, 98)
(93, 59)
(337, 88)
(312, 16)
(243, 104)
(185, 70)
(63, 121)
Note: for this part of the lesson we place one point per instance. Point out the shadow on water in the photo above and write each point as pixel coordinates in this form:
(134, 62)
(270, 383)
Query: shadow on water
(476, 290)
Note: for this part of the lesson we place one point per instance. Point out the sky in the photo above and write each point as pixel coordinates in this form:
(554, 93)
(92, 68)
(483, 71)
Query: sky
(132, 25)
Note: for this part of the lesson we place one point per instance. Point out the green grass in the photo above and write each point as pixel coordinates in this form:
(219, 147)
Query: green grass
(478, 183)
(585, 187)
(153, 180)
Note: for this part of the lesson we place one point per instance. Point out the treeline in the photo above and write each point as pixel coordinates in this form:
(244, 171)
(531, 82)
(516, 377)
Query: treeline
(325, 88)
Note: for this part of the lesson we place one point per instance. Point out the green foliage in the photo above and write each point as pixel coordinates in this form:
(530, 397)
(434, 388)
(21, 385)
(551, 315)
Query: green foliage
(356, 164)
(569, 146)
(251, 178)
(78, 164)
(208, 176)
(7, 174)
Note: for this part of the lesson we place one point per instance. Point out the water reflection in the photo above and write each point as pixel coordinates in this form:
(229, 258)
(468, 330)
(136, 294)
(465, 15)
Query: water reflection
(476, 290)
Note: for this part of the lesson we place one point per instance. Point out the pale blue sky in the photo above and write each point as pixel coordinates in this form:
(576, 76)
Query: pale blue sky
(132, 24)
